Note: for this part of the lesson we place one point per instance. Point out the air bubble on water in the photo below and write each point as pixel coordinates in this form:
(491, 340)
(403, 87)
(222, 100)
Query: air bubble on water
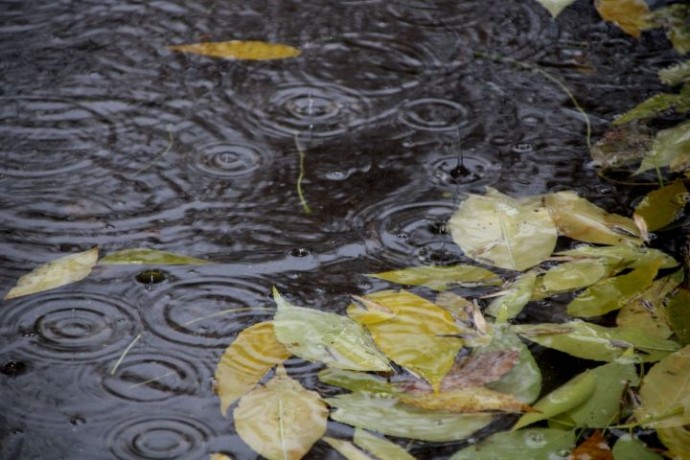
(534, 440)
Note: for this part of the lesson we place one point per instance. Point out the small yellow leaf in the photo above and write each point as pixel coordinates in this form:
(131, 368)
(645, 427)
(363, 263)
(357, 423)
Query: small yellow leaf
(630, 15)
(382, 448)
(219, 457)
(662, 206)
(465, 400)
(243, 50)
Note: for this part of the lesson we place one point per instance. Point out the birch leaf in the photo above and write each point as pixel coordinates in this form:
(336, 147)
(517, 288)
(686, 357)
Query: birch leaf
(671, 148)
(242, 50)
(593, 448)
(498, 230)
(678, 314)
(581, 220)
(661, 207)
(388, 416)
(624, 256)
(535, 444)
(381, 448)
(143, 256)
(59, 272)
(421, 336)
(439, 278)
(281, 420)
(346, 449)
(630, 448)
(630, 15)
(665, 392)
(511, 303)
(465, 400)
(555, 6)
(574, 275)
(253, 353)
(326, 337)
(677, 440)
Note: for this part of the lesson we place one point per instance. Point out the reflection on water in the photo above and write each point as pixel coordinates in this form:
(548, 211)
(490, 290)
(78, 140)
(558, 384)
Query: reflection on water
(110, 139)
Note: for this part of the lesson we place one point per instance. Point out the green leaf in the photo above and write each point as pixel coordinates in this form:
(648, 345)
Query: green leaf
(665, 392)
(60, 272)
(623, 256)
(143, 256)
(282, 420)
(570, 395)
(387, 416)
(662, 206)
(677, 440)
(630, 448)
(498, 230)
(581, 220)
(355, 381)
(676, 20)
(346, 449)
(612, 293)
(253, 353)
(573, 275)
(671, 148)
(533, 444)
(555, 6)
(326, 337)
(439, 278)
(676, 74)
(654, 106)
(602, 408)
(514, 299)
(678, 314)
(381, 448)
(243, 50)
(420, 335)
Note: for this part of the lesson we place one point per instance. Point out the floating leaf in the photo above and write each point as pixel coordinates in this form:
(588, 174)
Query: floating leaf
(612, 293)
(498, 230)
(142, 256)
(671, 148)
(678, 314)
(624, 256)
(382, 448)
(581, 220)
(676, 74)
(593, 448)
(219, 457)
(514, 299)
(665, 392)
(533, 444)
(421, 336)
(465, 400)
(237, 49)
(677, 440)
(346, 449)
(281, 420)
(355, 381)
(630, 448)
(570, 395)
(630, 15)
(555, 6)
(621, 145)
(326, 337)
(439, 278)
(676, 19)
(661, 207)
(253, 353)
(59, 272)
(388, 416)
(468, 318)
(573, 275)
(656, 105)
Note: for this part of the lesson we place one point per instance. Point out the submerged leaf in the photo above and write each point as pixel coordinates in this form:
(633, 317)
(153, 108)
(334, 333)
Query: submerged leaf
(555, 6)
(282, 420)
(630, 15)
(671, 148)
(439, 278)
(143, 256)
(237, 49)
(346, 449)
(253, 353)
(468, 318)
(533, 444)
(676, 74)
(630, 448)
(593, 448)
(661, 207)
(465, 400)
(498, 230)
(59, 272)
(326, 337)
(514, 299)
(382, 448)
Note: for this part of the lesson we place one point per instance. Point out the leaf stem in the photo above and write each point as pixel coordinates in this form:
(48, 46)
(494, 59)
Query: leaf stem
(124, 353)
(171, 141)
(300, 193)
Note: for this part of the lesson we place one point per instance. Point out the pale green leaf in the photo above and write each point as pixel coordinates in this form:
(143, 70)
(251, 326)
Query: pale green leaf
(468, 318)
(355, 381)
(388, 416)
(564, 398)
(677, 440)
(623, 256)
(665, 392)
(346, 449)
(581, 220)
(381, 448)
(282, 420)
(573, 275)
(421, 336)
(253, 353)
(630, 448)
(237, 49)
(59, 272)
(503, 232)
(630, 15)
(555, 6)
(143, 256)
(676, 74)
(532, 444)
(678, 315)
(612, 293)
(662, 206)
(671, 148)
(514, 299)
(440, 278)
(326, 337)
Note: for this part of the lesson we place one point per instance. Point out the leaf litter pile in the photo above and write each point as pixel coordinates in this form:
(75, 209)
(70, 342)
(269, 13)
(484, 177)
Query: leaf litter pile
(441, 367)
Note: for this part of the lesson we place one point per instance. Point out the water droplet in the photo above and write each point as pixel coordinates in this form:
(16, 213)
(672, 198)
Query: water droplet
(13, 368)
(523, 147)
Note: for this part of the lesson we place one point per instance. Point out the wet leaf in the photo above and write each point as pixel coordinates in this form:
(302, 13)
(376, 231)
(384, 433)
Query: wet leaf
(421, 336)
(439, 278)
(555, 6)
(671, 148)
(568, 396)
(468, 318)
(630, 15)
(581, 220)
(612, 293)
(621, 145)
(573, 275)
(654, 106)
(630, 448)
(498, 230)
(355, 381)
(219, 457)
(665, 392)
(143, 256)
(603, 406)
(388, 416)
(593, 448)
(381, 448)
(281, 420)
(533, 444)
(678, 314)
(465, 400)
(514, 299)
(677, 440)
(326, 337)
(676, 20)
(676, 74)
(661, 207)
(591, 341)
(59, 272)
(346, 449)
(253, 353)
(623, 256)
(242, 50)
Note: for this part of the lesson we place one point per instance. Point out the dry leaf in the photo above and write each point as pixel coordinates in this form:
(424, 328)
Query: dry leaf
(237, 49)
(593, 448)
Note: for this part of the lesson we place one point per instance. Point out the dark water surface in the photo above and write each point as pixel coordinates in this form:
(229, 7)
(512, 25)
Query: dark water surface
(385, 98)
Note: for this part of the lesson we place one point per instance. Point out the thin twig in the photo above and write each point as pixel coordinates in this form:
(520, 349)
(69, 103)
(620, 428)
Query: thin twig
(167, 149)
(124, 353)
(302, 200)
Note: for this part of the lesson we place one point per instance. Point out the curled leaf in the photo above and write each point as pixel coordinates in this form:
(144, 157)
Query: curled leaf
(237, 49)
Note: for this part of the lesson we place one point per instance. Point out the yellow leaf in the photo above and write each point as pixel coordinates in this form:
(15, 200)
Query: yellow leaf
(677, 440)
(382, 448)
(465, 400)
(281, 420)
(662, 206)
(253, 353)
(630, 15)
(346, 449)
(244, 50)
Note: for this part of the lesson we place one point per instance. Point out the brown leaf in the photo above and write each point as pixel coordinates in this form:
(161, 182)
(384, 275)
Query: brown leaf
(593, 448)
